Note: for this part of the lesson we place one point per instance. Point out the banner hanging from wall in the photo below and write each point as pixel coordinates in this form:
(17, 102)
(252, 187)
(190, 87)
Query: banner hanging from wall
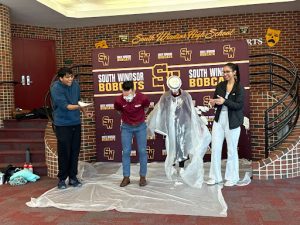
(198, 65)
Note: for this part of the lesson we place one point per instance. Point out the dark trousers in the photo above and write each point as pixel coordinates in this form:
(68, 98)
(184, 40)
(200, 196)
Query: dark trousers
(68, 148)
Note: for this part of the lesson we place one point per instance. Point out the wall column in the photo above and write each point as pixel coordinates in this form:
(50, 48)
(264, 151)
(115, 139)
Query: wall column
(6, 74)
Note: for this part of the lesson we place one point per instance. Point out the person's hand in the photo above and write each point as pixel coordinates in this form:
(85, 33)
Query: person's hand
(212, 102)
(220, 100)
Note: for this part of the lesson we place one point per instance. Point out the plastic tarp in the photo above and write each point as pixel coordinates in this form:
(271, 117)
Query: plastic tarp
(186, 135)
(101, 191)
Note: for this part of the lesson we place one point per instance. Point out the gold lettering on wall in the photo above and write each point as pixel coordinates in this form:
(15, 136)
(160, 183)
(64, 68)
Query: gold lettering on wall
(190, 35)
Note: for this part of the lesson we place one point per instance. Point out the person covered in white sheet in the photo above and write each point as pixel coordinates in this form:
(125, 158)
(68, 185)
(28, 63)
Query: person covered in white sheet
(229, 102)
(187, 137)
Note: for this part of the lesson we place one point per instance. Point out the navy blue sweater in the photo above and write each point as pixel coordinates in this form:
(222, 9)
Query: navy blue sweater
(62, 96)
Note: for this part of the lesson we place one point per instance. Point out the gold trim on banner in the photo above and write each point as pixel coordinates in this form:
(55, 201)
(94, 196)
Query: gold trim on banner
(160, 92)
(170, 66)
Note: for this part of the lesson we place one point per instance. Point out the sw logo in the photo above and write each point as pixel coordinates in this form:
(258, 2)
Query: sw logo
(229, 51)
(186, 54)
(161, 72)
(206, 101)
(107, 122)
(150, 152)
(144, 56)
(104, 59)
(109, 153)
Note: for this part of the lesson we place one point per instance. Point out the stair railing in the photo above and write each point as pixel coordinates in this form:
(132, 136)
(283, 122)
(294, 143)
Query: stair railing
(281, 76)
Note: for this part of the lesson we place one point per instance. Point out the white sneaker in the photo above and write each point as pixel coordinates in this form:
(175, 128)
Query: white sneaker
(229, 183)
(212, 182)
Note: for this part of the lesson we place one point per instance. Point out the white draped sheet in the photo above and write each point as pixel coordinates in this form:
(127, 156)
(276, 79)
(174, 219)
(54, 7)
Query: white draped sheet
(186, 135)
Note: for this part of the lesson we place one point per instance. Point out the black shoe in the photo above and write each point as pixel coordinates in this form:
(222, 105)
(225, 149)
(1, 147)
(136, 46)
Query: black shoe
(143, 181)
(61, 184)
(75, 183)
(181, 164)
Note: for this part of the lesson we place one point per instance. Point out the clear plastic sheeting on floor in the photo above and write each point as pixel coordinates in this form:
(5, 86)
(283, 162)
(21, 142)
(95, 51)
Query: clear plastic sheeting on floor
(101, 191)
(245, 171)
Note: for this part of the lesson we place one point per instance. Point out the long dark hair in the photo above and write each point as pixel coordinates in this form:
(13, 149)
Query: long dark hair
(234, 67)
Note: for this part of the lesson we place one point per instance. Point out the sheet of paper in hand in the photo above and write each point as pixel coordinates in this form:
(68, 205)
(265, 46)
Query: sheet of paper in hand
(84, 104)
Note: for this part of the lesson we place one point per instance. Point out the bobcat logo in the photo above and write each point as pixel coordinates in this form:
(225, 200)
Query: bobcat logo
(144, 56)
(160, 72)
(109, 153)
(101, 44)
(272, 37)
(107, 122)
(229, 51)
(186, 54)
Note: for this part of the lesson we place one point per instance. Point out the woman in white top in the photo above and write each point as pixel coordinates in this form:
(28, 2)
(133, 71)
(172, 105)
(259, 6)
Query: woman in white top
(228, 101)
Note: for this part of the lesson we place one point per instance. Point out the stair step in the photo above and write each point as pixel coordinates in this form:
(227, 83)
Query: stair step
(17, 156)
(38, 168)
(30, 123)
(22, 144)
(28, 133)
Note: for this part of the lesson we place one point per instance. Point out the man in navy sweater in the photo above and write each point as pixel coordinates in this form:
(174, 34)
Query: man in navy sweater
(65, 94)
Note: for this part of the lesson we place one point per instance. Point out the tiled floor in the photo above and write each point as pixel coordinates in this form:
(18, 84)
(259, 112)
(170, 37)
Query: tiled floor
(262, 202)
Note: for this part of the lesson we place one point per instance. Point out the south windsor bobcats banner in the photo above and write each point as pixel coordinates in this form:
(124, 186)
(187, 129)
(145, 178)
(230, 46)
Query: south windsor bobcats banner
(198, 65)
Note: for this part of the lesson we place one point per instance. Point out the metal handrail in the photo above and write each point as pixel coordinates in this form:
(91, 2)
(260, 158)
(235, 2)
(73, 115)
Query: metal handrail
(9, 82)
(279, 125)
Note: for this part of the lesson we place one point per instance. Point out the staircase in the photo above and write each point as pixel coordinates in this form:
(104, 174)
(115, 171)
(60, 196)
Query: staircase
(16, 137)
(276, 89)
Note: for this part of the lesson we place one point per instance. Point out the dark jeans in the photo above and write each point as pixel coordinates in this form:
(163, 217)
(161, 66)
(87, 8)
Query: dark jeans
(68, 148)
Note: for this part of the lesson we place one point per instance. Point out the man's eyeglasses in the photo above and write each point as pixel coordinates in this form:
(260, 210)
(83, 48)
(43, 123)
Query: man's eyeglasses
(69, 77)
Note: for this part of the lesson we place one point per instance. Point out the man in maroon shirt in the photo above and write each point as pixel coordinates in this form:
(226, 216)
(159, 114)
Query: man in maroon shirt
(133, 107)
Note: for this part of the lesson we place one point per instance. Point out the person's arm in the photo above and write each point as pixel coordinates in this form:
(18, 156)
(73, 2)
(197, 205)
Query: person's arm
(60, 100)
(118, 106)
(146, 104)
(73, 107)
(76, 106)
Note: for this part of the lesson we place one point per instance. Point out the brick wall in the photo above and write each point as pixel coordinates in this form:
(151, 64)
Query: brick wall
(76, 44)
(282, 163)
(6, 90)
